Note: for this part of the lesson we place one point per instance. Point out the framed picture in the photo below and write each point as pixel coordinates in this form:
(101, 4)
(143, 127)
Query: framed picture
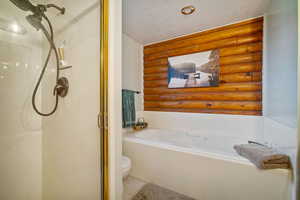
(194, 70)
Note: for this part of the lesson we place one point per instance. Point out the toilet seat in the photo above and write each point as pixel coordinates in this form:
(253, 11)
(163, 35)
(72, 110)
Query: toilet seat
(126, 163)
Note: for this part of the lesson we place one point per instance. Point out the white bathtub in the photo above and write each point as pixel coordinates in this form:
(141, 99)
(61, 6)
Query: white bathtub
(201, 165)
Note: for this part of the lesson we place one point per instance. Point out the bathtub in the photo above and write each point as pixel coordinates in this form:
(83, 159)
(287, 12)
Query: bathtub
(201, 165)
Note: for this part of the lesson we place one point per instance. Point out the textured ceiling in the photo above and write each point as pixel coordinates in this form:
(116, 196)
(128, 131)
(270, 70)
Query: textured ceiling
(149, 21)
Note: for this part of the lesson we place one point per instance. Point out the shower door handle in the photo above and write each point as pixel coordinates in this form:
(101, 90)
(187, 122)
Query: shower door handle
(103, 121)
(99, 120)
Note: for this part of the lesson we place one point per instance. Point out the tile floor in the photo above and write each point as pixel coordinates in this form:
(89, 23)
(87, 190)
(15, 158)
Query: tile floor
(131, 187)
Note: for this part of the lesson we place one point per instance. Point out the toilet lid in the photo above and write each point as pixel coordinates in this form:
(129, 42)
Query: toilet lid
(126, 163)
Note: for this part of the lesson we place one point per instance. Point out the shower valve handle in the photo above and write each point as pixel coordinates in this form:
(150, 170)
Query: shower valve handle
(62, 87)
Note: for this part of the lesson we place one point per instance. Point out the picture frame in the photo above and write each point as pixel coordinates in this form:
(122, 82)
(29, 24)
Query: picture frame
(194, 70)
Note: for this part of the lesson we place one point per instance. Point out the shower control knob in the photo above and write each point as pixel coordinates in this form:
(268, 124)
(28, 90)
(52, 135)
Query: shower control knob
(62, 87)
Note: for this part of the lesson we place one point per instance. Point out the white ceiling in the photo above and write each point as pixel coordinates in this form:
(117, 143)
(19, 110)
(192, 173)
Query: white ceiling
(149, 21)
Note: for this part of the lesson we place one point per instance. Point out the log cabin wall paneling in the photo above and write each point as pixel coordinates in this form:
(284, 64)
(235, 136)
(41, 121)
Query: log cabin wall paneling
(240, 89)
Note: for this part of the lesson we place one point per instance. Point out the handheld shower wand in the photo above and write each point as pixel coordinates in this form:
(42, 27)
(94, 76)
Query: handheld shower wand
(24, 5)
(35, 19)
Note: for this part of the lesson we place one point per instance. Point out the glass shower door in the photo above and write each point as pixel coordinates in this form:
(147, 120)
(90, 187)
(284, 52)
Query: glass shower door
(56, 156)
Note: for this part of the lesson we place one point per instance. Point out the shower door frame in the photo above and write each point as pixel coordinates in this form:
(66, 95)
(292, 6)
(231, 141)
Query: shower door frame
(103, 115)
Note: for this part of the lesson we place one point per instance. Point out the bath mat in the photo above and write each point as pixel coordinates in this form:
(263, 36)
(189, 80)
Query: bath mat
(155, 192)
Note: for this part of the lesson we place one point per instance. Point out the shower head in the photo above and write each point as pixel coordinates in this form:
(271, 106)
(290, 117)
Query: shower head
(38, 11)
(35, 21)
(24, 5)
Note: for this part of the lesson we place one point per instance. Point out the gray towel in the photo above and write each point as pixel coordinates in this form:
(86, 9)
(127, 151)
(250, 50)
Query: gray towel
(263, 157)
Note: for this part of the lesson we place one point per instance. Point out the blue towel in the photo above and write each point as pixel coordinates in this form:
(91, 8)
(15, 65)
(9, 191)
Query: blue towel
(128, 108)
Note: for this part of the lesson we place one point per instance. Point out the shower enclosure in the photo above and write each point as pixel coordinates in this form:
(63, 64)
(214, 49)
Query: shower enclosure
(50, 146)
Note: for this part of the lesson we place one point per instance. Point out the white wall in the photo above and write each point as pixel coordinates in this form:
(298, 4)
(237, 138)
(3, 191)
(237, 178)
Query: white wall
(132, 68)
(280, 62)
(71, 142)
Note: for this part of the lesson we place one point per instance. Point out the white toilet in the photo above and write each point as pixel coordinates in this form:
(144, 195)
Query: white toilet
(126, 166)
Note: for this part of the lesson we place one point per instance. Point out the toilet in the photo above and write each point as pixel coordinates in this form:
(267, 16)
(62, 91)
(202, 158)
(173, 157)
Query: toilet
(126, 166)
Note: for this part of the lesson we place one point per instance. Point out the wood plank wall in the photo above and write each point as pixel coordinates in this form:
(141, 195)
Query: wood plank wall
(240, 89)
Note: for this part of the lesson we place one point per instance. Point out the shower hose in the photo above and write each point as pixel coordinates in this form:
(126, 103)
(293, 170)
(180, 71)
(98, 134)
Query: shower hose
(50, 38)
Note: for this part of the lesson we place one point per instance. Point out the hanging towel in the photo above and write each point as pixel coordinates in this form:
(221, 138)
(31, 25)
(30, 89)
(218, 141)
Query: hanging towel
(128, 108)
(263, 157)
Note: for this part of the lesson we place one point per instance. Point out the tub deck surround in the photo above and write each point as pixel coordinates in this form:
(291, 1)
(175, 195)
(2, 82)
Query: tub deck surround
(201, 164)
(240, 89)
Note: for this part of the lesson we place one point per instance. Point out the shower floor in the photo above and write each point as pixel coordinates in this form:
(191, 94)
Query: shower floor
(132, 186)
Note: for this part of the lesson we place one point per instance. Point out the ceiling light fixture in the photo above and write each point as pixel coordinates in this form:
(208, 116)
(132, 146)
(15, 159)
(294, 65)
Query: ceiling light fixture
(188, 10)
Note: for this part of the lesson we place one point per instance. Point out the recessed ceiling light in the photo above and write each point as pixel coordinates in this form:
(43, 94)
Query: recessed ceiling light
(188, 10)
